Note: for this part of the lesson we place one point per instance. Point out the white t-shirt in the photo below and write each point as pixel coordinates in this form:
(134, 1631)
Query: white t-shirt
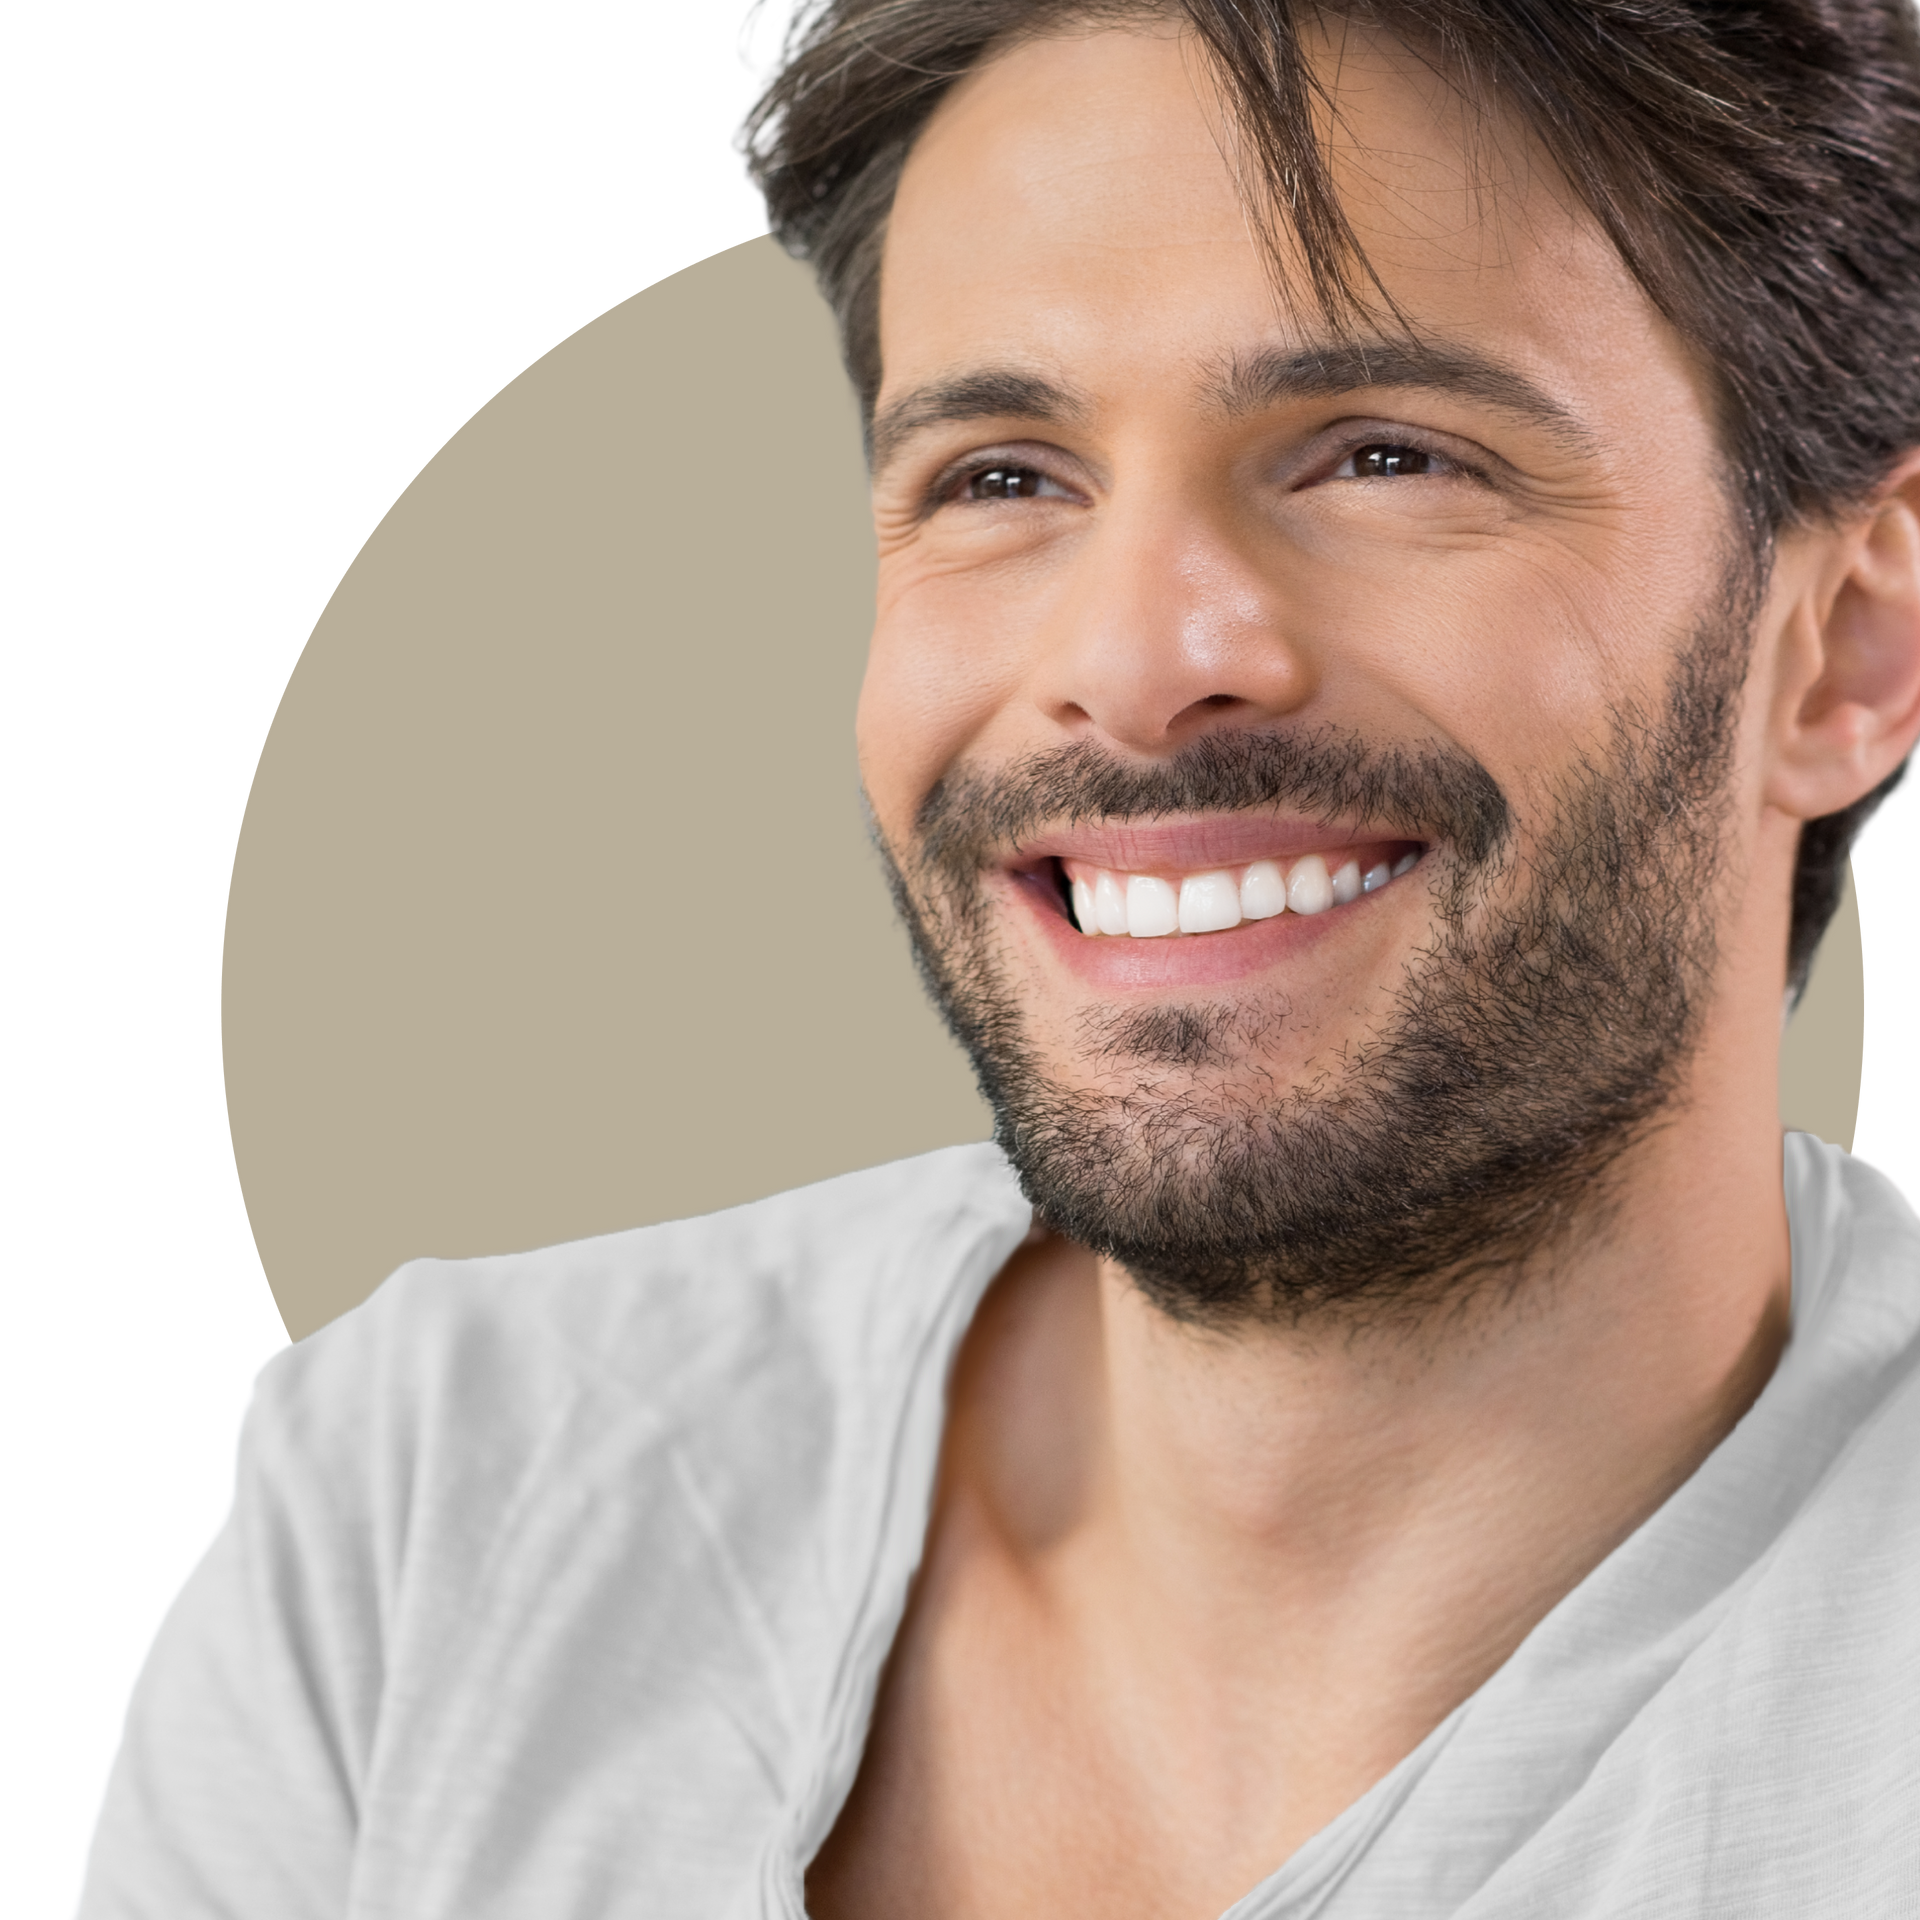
(559, 1585)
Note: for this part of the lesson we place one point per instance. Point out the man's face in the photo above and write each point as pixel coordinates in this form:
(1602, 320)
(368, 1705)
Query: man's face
(1183, 600)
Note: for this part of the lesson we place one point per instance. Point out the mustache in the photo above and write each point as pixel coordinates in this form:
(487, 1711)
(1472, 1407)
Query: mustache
(970, 819)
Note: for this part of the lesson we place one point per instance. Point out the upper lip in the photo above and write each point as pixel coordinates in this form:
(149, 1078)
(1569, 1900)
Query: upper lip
(1192, 845)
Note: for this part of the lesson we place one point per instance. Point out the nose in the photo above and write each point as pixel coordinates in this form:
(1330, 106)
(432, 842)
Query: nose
(1173, 622)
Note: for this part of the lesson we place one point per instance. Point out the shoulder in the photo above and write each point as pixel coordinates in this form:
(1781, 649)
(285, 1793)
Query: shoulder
(1856, 1255)
(524, 1542)
(462, 1373)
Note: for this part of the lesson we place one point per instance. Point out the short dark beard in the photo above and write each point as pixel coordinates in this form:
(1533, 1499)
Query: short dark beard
(1543, 1030)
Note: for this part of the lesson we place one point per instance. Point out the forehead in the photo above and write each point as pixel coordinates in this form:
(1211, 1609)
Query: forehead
(1074, 209)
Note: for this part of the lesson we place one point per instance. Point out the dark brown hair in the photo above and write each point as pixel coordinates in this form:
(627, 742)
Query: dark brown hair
(1756, 165)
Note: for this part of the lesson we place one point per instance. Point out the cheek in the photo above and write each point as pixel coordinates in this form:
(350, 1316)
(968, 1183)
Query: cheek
(1520, 654)
(937, 680)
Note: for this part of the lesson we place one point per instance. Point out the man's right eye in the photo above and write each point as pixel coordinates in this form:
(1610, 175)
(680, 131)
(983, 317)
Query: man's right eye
(1004, 483)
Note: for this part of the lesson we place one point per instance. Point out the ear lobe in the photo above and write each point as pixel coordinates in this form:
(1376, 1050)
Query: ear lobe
(1851, 713)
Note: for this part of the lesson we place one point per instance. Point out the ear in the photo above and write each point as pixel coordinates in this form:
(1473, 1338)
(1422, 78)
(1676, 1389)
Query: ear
(1847, 700)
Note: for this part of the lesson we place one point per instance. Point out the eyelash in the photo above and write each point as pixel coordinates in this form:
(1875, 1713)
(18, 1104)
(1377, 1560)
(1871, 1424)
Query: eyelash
(1446, 465)
(949, 488)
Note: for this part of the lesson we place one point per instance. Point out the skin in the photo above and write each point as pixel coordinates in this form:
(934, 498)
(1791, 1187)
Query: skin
(1188, 1593)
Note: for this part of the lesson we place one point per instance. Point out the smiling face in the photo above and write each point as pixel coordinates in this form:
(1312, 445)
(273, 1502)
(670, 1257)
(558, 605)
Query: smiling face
(1305, 762)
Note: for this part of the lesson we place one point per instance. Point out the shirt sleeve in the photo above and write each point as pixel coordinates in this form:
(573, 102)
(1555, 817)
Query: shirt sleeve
(236, 1790)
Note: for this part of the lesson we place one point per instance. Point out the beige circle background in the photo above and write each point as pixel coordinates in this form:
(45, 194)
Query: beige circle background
(553, 911)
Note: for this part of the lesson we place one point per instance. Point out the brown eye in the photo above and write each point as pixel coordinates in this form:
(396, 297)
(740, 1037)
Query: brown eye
(1005, 483)
(1387, 462)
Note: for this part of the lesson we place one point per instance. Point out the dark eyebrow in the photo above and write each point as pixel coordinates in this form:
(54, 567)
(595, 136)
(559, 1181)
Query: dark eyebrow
(992, 393)
(1250, 383)
(1258, 380)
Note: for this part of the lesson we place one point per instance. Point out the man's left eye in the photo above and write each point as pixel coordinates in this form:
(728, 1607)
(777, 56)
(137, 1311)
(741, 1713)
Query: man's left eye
(1382, 460)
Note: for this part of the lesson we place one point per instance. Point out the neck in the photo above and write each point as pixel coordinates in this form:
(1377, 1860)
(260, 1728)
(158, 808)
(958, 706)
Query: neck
(1531, 1429)
(1342, 1530)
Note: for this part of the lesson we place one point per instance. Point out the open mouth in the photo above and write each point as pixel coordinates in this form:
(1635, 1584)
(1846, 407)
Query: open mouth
(1101, 901)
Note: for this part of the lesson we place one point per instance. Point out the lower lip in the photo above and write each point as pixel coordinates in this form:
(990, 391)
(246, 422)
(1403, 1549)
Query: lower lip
(1118, 962)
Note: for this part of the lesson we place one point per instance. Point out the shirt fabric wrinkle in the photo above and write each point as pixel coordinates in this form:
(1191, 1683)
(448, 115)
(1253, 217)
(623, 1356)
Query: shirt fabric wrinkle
(560, 1585)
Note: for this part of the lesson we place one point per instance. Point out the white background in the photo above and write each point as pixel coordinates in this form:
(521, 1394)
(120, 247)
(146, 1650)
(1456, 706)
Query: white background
(133, 1306)
(135, 1314)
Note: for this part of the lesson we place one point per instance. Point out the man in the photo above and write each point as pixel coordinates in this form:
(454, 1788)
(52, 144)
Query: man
(1399, 576)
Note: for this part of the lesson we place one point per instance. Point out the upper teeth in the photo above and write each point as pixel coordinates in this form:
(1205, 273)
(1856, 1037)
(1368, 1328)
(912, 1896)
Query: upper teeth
(1147, 905)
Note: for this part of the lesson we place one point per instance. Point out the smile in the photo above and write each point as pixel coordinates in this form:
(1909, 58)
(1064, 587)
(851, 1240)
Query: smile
(1152, 906)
